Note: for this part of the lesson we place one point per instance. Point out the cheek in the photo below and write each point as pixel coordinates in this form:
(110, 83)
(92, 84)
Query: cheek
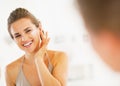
(34, 32)
(36, 35)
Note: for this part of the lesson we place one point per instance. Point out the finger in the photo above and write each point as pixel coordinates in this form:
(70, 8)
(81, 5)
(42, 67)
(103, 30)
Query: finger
(46, 35)
(44, 47)
(43, 31)
(40, 28)
(42, 35)
(44, 38)
(46, 43)
(47, 39)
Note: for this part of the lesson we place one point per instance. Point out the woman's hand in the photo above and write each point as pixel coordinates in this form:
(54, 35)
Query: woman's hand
(43, 46)
(59, 71)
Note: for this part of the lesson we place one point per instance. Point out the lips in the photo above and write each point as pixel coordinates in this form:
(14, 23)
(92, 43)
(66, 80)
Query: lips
(27, 44)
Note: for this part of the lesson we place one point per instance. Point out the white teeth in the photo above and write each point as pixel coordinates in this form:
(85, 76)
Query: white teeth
(27, 44)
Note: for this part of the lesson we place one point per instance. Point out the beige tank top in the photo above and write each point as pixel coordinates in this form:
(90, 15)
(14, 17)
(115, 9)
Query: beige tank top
(21, 79)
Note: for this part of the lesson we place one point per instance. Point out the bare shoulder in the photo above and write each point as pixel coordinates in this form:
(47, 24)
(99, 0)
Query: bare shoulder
(58, 56)
(14, 64)
(13, 68)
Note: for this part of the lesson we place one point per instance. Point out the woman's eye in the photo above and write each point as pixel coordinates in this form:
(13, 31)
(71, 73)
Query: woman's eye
(28, 31)
(17, 36)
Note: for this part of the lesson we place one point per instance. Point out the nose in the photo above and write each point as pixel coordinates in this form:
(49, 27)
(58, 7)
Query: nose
(24, 38)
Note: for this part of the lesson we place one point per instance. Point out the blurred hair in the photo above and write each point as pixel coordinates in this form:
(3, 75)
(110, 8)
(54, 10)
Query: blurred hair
(99, 14)
(18, 14)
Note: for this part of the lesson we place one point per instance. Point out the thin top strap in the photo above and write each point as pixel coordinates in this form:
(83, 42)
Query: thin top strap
(21, 79)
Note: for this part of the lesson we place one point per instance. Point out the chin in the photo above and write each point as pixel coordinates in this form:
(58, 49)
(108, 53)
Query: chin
(28, 50)
(32, 50)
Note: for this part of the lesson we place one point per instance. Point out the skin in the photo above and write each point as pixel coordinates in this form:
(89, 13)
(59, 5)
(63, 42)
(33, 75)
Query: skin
(107, 45)
(35, 63)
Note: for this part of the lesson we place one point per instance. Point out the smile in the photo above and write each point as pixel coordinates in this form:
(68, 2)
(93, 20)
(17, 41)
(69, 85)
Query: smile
(28, 44)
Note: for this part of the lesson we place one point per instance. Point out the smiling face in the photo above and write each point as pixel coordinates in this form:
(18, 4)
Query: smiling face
(26, 35)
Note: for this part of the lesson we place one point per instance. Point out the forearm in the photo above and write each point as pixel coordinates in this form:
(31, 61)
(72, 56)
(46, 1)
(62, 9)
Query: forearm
(45, 76)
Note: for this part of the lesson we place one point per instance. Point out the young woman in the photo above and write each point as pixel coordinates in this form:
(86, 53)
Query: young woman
(102, 19)
(39, 66)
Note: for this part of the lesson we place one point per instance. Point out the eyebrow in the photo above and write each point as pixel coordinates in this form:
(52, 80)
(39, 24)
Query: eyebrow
(16, 34)
(24, 30)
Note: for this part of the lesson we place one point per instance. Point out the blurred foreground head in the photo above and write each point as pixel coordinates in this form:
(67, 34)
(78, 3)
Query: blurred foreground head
(102, 20)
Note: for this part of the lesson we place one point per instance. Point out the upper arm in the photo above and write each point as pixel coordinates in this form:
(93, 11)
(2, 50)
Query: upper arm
(61, 68)
(9, 81)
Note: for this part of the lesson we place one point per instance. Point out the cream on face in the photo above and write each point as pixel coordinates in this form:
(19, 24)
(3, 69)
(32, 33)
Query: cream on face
(25, 34)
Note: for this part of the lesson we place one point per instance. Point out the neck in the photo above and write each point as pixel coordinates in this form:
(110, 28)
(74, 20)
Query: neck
(29, 57)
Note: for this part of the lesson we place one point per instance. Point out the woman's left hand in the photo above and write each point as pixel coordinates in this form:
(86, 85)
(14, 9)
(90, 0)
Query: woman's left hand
(59, 72)
(43, 46)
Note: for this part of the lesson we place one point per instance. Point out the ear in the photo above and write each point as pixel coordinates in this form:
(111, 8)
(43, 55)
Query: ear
(40, 29)
(40, 26)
